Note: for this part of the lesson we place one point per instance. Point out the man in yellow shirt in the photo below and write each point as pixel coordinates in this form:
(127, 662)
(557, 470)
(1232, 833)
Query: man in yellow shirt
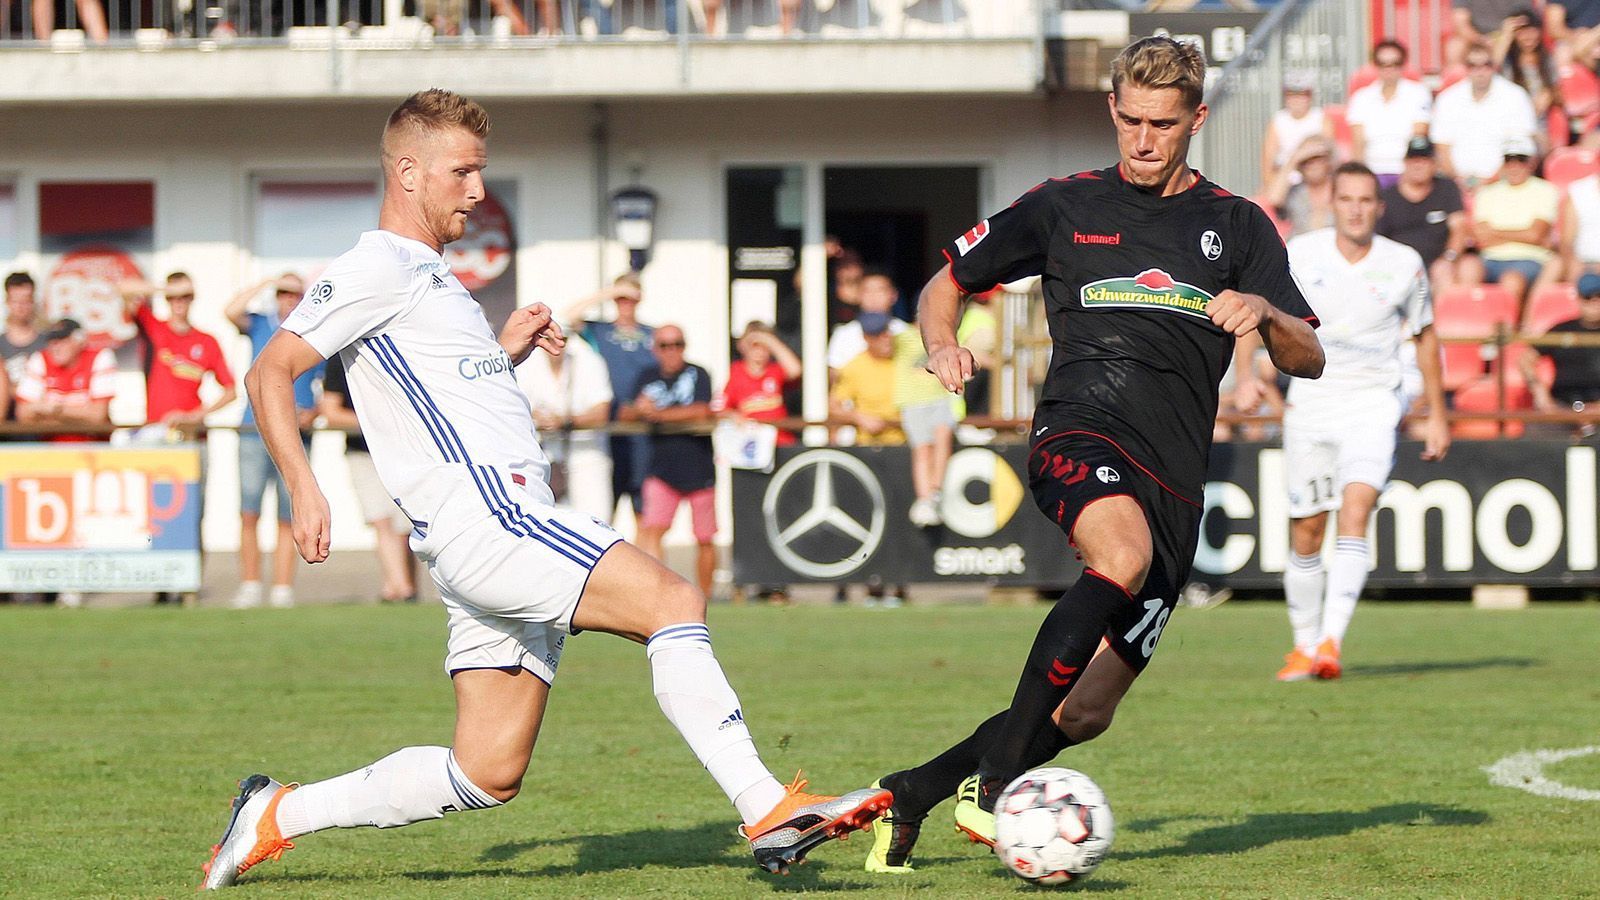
(1513, 218)
(864, 394)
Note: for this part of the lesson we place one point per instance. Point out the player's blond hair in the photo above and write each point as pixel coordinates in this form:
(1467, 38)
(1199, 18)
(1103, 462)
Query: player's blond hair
(1161, 62)
(430, 112)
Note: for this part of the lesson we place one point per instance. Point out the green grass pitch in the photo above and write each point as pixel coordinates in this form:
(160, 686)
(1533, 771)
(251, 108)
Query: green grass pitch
(123, 731)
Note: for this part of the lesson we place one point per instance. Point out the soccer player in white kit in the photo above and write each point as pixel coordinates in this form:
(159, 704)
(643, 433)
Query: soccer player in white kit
(453, 439)
(1371, 294)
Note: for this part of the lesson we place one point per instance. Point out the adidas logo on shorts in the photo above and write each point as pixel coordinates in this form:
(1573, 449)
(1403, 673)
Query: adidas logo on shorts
(735, 718)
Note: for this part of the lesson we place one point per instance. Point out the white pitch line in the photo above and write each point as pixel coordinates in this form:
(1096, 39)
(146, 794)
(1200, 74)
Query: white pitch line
(1525, 771)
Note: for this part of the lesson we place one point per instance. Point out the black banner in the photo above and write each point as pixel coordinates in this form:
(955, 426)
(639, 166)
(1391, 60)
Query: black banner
(1516, 512)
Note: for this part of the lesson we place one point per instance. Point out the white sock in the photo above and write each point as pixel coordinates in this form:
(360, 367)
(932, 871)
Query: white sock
(1302, 589)
(697, 700)
(409, 785)
(1346, 577)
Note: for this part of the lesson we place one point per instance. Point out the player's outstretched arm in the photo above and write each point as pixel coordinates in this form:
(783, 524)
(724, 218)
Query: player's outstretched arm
(938, 311)
(1291, 342)
(270, 383)
(1436, 437)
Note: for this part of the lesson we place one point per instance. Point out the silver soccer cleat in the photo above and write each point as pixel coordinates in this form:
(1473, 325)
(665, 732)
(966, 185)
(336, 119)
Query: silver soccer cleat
(252, 834)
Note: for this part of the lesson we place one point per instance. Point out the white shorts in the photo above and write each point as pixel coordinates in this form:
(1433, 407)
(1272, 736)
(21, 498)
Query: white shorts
(511, 587)
(1327, 449)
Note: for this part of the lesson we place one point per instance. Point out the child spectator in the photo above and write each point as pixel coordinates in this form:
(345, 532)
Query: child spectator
(755, 383)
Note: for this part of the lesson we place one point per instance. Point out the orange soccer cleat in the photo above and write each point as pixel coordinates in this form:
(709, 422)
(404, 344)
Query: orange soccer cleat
(1326, 664)
(801, 821)
(1297, 666)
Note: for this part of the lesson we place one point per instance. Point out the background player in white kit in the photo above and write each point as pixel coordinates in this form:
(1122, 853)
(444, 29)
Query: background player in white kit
(452, 436)
(1371, 294)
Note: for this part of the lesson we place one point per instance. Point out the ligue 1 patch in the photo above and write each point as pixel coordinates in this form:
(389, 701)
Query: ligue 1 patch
(1108, 475)
(320, 293)
(973, 237)
(1211, 244)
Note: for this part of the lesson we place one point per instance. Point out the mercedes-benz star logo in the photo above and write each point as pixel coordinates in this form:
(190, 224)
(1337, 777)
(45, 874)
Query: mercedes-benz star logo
(824, 510)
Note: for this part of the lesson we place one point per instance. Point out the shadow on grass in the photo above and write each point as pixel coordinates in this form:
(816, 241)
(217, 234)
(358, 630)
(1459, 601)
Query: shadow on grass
(1261, 829)
(1430, 668)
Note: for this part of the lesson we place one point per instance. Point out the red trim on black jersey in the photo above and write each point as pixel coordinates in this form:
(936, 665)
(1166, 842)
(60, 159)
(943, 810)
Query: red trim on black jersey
(1109, 580)
(952, 270)
(1087, 176)
(1315, 322)
(1219, 192)
(1126, 455)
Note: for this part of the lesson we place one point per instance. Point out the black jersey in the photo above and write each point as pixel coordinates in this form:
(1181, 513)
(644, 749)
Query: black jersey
(1127, 275)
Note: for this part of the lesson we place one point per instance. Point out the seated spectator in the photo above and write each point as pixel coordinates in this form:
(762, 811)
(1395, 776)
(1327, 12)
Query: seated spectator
(1299, 119)
(571, 396)
(391, 528)
(1525, 60)
(1423, 210)
(1512, 219)
(177, 356)
(1388, 113)
(863, 394)
(1475, 22)
(21, 338)
(1305, 205)
(1473, 120)
(929, 421)
(682, 466)
(66, 384)
(1576, 385)
(878, 295)
(1580, 228)
(755, 382)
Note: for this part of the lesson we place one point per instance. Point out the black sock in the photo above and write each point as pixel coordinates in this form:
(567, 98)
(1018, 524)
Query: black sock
(1066, 642)
(918, 790)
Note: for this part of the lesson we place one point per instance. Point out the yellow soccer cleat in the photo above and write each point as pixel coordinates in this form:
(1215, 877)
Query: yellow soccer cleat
(972, 819)
(893, 837)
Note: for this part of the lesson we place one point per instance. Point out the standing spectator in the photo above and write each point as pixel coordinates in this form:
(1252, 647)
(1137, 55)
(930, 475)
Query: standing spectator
(1577, 380)
(755, 382)
(1387, 113)
(1477, 22)
(1473, 120)
(682, 466)
(91, 19)
(979, 332)
(929, 423)
(1290, 126)
(1513, 218)
(844, 285)
(878, 295)
(256, 470)
(1308, 204)
(22, 337)
(390, 525)
(177, 356)
(1580, 228)
(1527, 62)
(863, 395)
(1423, 210)
(624, 344)
(67, 384)
(571, 396)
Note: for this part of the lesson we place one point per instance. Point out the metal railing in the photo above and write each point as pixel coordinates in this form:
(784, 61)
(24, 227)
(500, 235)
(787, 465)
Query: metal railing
(1325, 40)
(151, 24)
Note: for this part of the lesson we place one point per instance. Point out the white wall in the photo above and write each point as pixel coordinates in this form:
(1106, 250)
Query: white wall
(203, 159)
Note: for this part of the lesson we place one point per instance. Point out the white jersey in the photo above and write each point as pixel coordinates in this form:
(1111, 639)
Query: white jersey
(1368, 309)
(451, 432)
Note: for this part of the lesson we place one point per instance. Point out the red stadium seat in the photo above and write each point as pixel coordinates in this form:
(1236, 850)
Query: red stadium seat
(1335, 113)
(1580, 94)
(1283, 227)
(1463, 364)
(1483, 395)
(1360, 78)
(1474, 311)
(1567, 164)
(1550, 305)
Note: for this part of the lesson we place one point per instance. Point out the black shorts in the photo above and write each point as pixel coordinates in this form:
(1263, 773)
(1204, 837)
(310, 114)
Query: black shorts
(1070, 470)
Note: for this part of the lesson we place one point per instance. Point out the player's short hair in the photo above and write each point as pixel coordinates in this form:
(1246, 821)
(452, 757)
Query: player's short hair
(433, 111)
(18, 279)
(1391, 44)
(1358, 169)
(1161, 62)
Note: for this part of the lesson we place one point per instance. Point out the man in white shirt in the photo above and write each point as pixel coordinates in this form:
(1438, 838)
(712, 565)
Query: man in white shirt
(1371, 294)
(1474, 118)
(452, 436)
(1388, 113)
(878, 295)
(571, 397)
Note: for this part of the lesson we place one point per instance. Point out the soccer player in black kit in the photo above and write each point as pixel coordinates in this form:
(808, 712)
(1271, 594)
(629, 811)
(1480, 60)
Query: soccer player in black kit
(1149, 272)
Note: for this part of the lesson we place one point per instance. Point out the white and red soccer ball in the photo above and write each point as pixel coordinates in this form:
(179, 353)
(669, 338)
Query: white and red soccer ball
(1052, 826)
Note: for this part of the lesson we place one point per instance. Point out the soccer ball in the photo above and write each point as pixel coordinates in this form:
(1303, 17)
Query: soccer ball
(1052, 826)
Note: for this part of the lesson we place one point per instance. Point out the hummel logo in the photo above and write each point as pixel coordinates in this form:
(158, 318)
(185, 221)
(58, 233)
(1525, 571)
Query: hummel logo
(1079, 237)
(735, 718)
(1060, 675)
